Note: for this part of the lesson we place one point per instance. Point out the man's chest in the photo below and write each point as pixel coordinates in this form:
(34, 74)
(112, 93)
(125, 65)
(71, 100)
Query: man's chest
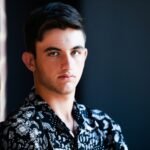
(83, 139)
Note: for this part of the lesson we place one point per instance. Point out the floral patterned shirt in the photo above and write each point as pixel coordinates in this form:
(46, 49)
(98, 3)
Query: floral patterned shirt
(35, 126)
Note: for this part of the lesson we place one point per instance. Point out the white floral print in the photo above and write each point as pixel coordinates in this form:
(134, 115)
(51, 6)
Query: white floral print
(35, 126)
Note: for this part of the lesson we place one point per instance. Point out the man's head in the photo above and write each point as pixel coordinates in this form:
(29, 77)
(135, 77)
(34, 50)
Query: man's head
(51, 16)
(56, 50)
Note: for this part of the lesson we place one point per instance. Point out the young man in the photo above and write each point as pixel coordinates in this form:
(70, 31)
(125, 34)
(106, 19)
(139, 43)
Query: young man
(50, 117)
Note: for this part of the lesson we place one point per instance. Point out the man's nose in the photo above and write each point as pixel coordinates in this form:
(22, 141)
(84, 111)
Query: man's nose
(67, 61)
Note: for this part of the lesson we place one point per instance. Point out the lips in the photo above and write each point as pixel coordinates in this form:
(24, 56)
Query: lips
(66, 76)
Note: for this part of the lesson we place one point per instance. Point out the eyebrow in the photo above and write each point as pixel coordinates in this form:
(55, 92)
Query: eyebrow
(78, 47)
(51, 49)
(58, 49)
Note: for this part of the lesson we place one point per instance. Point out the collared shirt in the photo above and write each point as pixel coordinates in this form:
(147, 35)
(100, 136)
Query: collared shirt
(35, 126)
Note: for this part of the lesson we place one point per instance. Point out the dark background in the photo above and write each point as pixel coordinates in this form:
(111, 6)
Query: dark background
(116, 78)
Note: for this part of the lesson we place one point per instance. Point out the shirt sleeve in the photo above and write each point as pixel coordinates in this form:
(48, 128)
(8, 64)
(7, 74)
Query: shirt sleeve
(20, 137)
(113, 137)
(15, 138)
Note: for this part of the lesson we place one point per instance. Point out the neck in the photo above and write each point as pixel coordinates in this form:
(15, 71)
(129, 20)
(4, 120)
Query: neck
(61, 104)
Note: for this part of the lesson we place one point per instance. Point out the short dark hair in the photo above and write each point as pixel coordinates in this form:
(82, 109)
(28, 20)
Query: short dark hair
(50, 16)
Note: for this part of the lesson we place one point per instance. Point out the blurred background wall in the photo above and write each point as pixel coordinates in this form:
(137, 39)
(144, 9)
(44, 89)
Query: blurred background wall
(116, 78)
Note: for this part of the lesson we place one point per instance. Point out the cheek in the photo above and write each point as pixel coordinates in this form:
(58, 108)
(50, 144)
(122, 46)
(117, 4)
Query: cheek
(81, 61)
(47, 63)
(80, 65)
(41, 67)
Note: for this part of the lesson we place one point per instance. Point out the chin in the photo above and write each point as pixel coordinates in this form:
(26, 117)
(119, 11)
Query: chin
(67, 90)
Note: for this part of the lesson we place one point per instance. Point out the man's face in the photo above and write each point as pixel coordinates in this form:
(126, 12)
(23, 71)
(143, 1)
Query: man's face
(59, 62)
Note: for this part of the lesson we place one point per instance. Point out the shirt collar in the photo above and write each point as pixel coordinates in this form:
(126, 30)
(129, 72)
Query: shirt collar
(80, 113)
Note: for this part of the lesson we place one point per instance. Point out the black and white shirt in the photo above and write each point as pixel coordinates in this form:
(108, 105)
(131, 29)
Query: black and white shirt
(35, 126)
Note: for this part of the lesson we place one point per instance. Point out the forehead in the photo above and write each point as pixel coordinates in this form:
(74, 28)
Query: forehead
(62, 38)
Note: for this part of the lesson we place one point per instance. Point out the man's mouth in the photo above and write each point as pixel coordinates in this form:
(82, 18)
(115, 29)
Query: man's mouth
(66, 76)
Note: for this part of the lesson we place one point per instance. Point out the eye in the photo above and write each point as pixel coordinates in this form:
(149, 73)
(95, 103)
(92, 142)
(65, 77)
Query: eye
(53, 53)
(76, 52)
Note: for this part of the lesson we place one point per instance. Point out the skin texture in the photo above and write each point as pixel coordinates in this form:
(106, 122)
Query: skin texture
(60, 60)
(57, 68)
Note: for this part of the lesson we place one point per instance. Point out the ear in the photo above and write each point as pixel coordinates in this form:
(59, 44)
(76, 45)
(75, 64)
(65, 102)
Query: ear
(86, 53)
(29, 60)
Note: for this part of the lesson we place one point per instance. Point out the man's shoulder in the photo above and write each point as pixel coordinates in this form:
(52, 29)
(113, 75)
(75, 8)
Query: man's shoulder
(16, 119)
(109, 129)
(104, 121)
(96, 114)
(21, 128)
